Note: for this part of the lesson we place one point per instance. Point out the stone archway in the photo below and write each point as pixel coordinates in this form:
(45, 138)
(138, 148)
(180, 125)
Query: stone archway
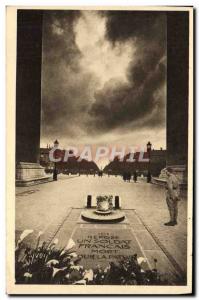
(28, 94)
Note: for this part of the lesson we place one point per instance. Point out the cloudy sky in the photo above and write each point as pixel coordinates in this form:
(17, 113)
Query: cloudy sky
(104, 78)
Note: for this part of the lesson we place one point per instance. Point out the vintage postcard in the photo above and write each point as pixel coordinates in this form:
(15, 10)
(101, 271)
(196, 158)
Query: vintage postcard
(99, 150)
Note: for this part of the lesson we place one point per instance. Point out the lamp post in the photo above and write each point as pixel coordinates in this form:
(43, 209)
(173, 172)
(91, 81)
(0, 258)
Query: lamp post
(149, 166)
(56, 144)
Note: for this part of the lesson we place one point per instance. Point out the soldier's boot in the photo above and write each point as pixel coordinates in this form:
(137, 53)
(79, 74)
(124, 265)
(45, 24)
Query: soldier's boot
(176, 213)
(170, 223)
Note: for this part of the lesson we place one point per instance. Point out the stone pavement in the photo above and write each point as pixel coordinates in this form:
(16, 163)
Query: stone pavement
(44, 208)
(99, 244)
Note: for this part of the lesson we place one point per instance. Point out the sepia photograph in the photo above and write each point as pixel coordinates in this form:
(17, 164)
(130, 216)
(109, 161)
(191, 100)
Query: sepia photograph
(100, 150)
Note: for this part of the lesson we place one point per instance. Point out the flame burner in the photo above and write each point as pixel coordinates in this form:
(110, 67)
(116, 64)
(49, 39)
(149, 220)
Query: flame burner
(93, 216)
(104, 212)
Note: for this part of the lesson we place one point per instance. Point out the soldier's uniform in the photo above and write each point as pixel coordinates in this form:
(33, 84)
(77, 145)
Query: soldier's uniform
(172, 197)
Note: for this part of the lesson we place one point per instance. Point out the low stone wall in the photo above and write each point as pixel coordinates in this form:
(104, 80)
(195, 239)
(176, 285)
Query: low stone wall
(30, 174)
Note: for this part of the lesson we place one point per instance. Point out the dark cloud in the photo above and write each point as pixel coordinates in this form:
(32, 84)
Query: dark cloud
(67, 87)
(142, 25)
(118, 104)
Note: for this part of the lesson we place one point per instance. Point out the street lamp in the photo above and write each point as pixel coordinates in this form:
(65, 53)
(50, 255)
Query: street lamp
(149, 165)
(56, 144)
(149, 147)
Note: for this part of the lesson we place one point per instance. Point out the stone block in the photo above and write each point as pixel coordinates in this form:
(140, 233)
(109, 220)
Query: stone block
(30, 174)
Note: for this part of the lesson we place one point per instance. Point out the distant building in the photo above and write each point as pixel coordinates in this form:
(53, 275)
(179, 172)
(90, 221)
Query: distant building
(157, 161)
(45, 160)
(151, 160)
(44, 155)
(71, 166)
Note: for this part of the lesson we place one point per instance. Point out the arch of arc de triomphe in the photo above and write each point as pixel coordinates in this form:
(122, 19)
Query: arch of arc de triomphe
(28, 95)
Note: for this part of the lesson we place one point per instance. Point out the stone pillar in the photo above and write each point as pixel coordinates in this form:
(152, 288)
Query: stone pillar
(177, 96)
(28, 97)
(177, 92)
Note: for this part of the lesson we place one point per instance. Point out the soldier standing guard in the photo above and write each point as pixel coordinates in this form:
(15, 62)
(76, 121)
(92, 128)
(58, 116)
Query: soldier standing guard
(172, 196)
